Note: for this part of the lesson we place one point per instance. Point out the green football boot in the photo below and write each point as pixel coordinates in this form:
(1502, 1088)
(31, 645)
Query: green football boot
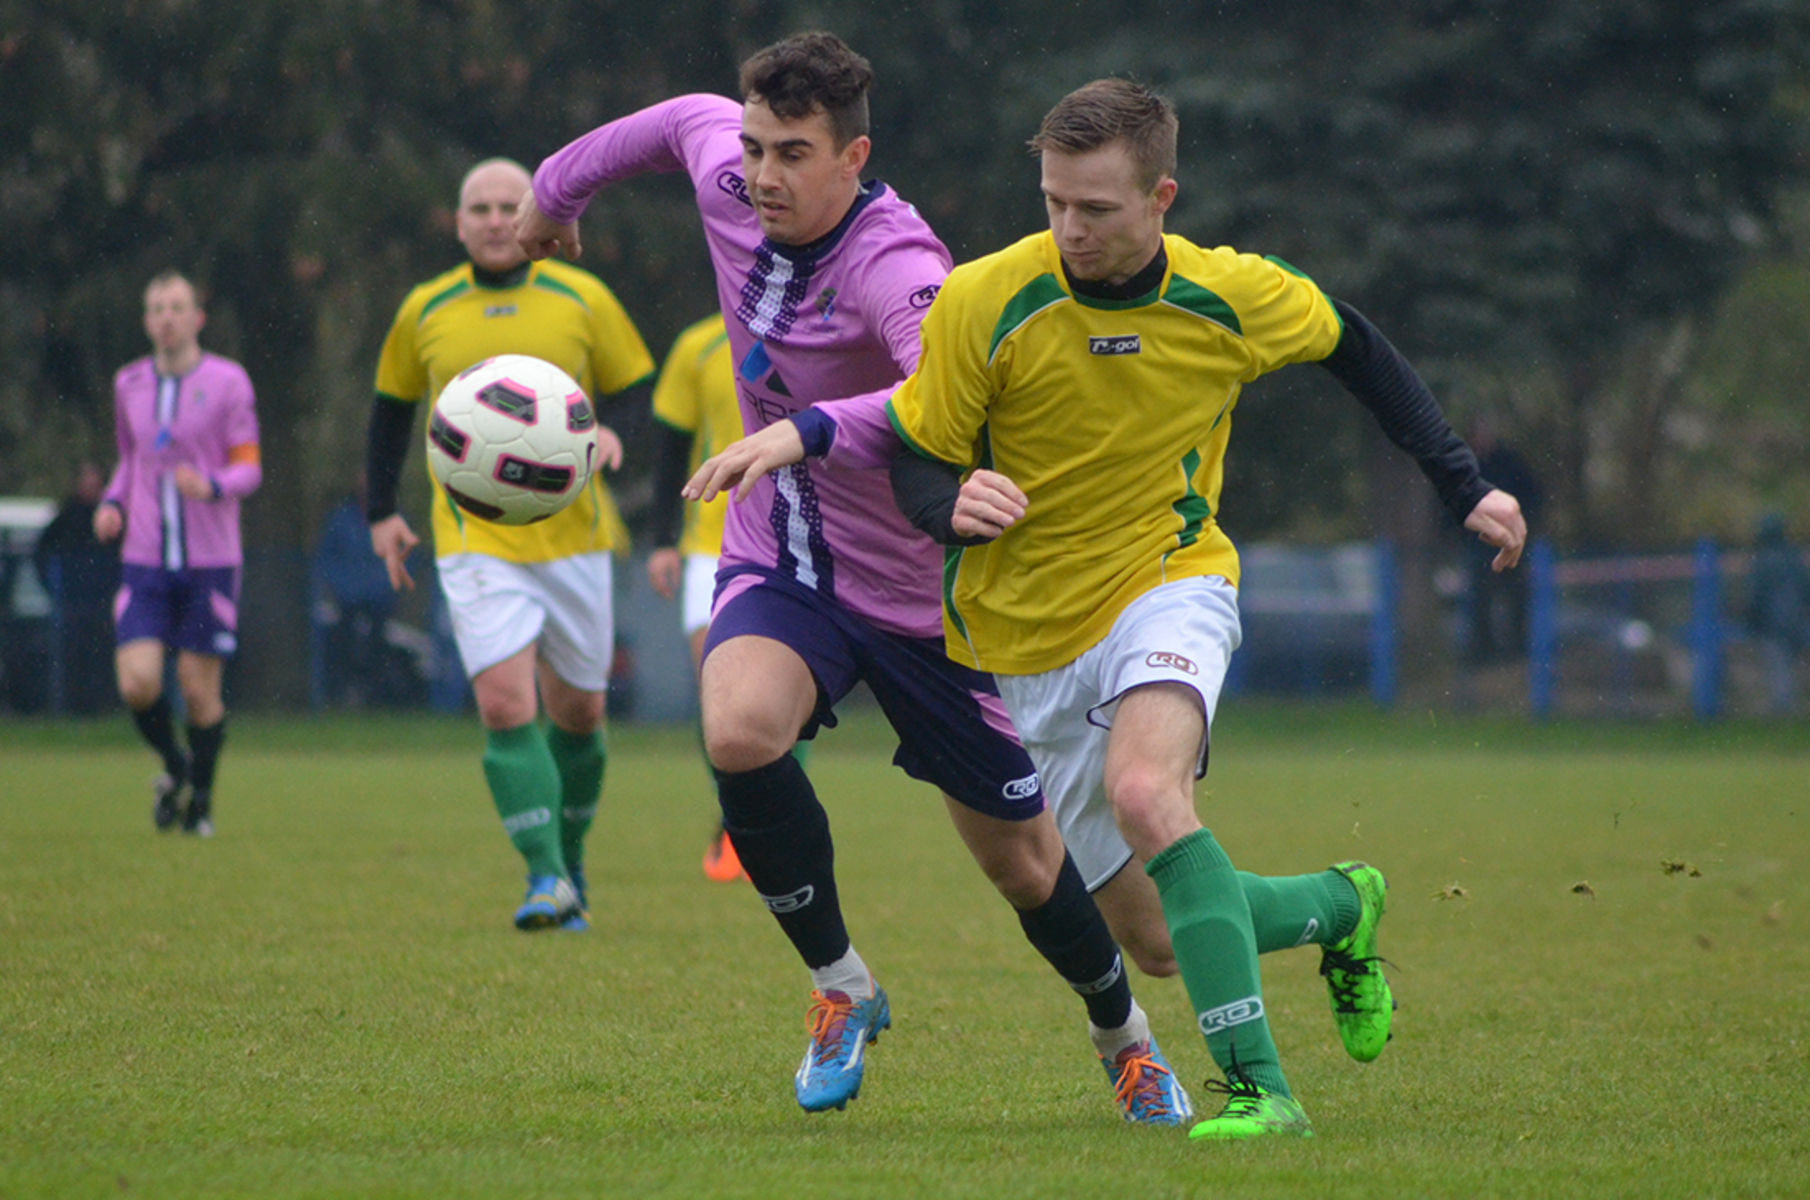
(1361, 1002)
(1251, 1112)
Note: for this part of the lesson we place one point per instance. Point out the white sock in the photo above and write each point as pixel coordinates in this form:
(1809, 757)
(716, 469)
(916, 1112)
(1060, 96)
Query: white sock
(847, 974)
(1108, 1042)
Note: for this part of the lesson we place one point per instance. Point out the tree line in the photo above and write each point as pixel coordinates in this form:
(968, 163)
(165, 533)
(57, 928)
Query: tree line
(1586, 220)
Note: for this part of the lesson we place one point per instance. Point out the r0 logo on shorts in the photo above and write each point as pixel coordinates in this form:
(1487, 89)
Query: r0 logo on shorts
(1238, 1012)
(1022, 789)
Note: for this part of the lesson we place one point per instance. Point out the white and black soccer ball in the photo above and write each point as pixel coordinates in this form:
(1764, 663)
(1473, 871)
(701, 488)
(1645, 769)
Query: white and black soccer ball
(512, 439)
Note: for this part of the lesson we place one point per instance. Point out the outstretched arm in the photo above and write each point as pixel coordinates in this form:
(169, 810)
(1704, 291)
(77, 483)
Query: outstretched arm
(1376, 373)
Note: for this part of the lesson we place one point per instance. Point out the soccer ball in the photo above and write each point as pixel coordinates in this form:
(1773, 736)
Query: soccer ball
(512, 439)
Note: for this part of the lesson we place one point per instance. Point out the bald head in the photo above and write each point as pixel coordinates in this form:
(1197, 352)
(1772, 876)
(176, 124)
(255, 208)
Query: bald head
(488, 197)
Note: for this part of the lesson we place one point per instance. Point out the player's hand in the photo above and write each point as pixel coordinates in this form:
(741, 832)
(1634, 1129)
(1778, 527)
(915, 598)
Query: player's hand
(540, 236)
(108, 521)
(391, 540)
(664, 568)
(192, 483)
(609, 448)
(741, 464)
(987, 506)
(1497, 520)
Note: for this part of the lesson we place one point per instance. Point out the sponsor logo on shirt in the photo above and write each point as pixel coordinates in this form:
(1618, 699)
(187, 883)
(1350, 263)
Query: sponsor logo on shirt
(1171, 660)
(499, 310)
(731, 184)
(923, 296)
(1128, 344)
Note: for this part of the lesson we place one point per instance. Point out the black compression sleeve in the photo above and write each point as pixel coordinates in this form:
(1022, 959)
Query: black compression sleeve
(925, 491)
(672, 455)
(386, 449)
(1376, 373)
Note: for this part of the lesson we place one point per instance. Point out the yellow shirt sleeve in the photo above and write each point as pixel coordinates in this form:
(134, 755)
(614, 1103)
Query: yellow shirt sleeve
(400, 371)
(1285, 316)
(678, 394)
(941, 409)
(619, 358)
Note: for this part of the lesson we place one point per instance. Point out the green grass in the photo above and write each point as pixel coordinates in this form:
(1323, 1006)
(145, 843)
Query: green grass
(328, 999)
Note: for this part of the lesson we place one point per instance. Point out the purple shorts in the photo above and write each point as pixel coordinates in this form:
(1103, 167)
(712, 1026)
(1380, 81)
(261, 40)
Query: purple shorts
(193, 608)
(953, 729)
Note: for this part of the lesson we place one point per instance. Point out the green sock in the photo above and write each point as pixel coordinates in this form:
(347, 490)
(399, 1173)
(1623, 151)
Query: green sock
(524, 783)
(581, 758)
(1295, 910)
(1210, 927)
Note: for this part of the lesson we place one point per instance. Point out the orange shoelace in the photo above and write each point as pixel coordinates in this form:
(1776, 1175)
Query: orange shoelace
(828, 1017)
(1138, 1076)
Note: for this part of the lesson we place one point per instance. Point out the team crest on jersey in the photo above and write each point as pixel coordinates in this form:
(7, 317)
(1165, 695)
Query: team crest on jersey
(923, 297)
(1128, 344)
(731, 184)
(826, 302)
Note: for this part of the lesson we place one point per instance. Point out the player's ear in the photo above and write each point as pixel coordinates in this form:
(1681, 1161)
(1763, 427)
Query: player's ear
(1164, 196)
(854, 155)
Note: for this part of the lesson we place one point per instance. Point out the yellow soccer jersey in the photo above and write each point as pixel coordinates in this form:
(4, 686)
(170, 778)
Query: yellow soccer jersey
(696, 394)
(1112, 415)
(557, 313)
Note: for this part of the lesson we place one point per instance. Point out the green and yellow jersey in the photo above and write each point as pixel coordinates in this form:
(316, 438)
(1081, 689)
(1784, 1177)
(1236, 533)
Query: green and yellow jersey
(557, 313)
(696, 395)
(1111, 415)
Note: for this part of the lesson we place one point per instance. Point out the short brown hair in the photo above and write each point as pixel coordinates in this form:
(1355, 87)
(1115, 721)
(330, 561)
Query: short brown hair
(809, 72)
(1114, 110)
(170, 275)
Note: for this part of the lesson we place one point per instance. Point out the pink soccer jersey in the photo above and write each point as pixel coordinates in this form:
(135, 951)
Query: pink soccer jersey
(163, 422)
(838, 318)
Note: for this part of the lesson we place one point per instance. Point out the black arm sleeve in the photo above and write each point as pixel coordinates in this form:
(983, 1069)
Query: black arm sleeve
(1377, 374)
(925, 491)
(386, 449)
(672, 454)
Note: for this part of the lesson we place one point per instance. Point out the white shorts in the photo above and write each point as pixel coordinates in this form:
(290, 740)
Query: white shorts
(499, 607)
(1182, 632)
(696, 592)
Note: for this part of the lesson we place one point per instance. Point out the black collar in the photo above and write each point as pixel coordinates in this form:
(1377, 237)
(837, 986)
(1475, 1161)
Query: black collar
(498, 280)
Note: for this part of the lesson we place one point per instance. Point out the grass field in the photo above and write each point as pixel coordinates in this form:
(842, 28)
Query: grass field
(327, 999)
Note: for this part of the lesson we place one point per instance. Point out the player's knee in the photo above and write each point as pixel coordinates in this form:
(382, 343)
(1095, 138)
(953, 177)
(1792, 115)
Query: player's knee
(504, 710)
(734, 746)
(1020, 876)
(139, 691)
(1151, 810)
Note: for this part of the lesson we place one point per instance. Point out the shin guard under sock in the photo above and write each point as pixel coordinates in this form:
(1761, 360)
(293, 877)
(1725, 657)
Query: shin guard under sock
(782, 836)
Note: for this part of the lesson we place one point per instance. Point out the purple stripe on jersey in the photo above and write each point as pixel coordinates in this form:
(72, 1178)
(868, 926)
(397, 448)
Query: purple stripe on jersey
(772, 293)
(797, 520)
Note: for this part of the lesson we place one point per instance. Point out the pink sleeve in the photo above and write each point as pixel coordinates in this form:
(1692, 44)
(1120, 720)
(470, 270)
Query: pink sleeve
(907, 282)
(241, 479)
(121, 481)
(669, 136)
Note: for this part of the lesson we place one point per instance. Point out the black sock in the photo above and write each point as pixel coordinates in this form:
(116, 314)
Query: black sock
(782, 836)
(1068, 930)
(204, 753)
(156, 727)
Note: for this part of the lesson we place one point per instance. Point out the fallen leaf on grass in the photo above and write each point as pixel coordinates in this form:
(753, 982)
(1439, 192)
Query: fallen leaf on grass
(1452, 891)
(1582, 887)
(1677, 866)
